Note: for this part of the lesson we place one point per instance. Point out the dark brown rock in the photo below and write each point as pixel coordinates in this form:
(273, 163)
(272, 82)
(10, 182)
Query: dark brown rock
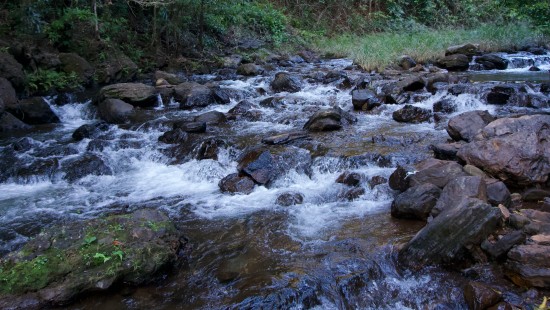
(479, 296)
(136, 94)
(115, 111)
(455, 62)
(447, 151)
(498, 193)
(249, 69)
(7, 95)
(258, 164)
(284, 82)
(466, 125)
(175, 136)
(192, 95)
(191, 127)
(377, 180)
(406, 62)
(364, 100)
(416, 202)
(529, 265)
(398, 179)
(289, 199)
(34, 111)
(208, 149)
(445, 106)
(492, 61)
(353, 193)
(8, 123)
(87, 164)
(412, 114)
(458, 189)
(211, 118)
(324, 120)
(71, 62)
(11, 70)
(234, 183)
(349, 178)
(499, 248)
(437, 172)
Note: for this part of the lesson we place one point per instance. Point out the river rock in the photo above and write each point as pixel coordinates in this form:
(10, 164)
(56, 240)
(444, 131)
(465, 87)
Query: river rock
(284, 138)
(535, 194)
(257, 163)
(171, 78)
(136, 94)
(174, 136)
(115, 111)
(289, 199)
(211, 118)
(192, 95)
(8, 123)
(479, 296)
(115, 68)
(399, 179)
(447, 239)
(412, 114)
(223, 95)
(73, 63)
(467, 49)
(349, 178)
(364, 100)
(7, 95)
(208, 149)
(83, 257)
(437, 172)
(447, 151)
(352, 194)
(498, 193)
(406, 62)
(397, 92)
(34, 111)
(466, 125)
(234, 183)
(89, 131)
(249, 69)
(500, 247)
(81, 166)
(501, 94)
(447, 106)
(191, 127)
(455, 62)
(416, 202)
(377, 180)
(11, 70)
(285, 82)
(458, 189)
(529, 265)
(516, 150)
(325, 120)
(545, 88)
(492, 61)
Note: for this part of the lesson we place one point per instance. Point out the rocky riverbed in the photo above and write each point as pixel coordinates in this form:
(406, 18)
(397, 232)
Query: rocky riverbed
(291, 182)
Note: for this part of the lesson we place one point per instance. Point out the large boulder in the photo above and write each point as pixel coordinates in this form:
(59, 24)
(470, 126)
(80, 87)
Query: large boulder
(89, 131)
(529, 265)
(492, 61)
(467, 49)
(459, 189)
(435, 171)
(325, 120)
(501, 94)
(34, 111)
(364, 100)
(115, 111)
(466, 125)
(455, 62)
(81, 166)
(416, 202)
(11, 70)
(449, 237)
(117, 67)
(258, 164)
(75, 258)
(7, 94)
(192, 95)
(8, 123)
(412, 114)
(285, 82)
(71, 62)
(136, 94)
(516, 150)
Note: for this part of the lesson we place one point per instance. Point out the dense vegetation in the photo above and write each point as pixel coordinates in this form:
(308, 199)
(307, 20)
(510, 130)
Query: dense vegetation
(146, 30)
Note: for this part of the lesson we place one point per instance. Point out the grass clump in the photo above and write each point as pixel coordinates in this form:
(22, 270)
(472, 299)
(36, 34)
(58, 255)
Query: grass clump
(378, 50)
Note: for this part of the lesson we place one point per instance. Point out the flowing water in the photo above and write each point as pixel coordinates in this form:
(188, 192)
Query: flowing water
(247, 251)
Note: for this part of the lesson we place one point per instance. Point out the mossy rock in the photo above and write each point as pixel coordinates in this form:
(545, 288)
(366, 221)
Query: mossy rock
(68, 260)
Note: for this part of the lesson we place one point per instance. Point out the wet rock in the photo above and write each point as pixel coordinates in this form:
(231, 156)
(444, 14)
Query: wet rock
(397, 92)
(501, 94)
(12, 70)
(416, 202)
(447, 151)
(349, 178)
(192, 95)
(115, 111)
(437, 172)
(353, 194)
(117, 67)
(34, 111)
(73, 63)
(234, 183)
(406, 62)
(240, 109)
(191, 127)
(447, 239)
(479, 296)
(535, 50)
(459, 89)
(500, 247)
(466, 125)
(171, 78)
(70, 264)
(324, 120)
(89, 131)
(412, 114)
(208, 149)
(8, 123)
(529, 265)
(257, 163)
(534, 101)
(364, 100)
(136, 94)
(518, 221)
(534, 69)
(333, 76)
(492, 61)
(175, 136)
(87, 164)
(498, 193)
(249, 69)
(467, 49)
(8, 97)
(458, 189)
(224, 95)
(211, 118)
(455, 62)
(377, 180)
(284, 82)
(535, 194)
(398, 179)
(445, 106)
(516, 150)
(289, 199)
(284, 138)
(545, 88)
(24, 144)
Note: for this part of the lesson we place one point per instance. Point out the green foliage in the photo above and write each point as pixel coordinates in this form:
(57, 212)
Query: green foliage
(59, 30)
(46, 80)
(535, 11)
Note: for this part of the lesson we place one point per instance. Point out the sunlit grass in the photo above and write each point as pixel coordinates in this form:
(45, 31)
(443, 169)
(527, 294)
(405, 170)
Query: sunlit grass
(377, 51)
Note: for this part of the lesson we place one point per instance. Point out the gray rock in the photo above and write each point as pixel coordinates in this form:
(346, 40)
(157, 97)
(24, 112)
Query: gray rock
(455, 62)
(34, 111)
(289, 199)
(364, 100)
(87, 164)
(503, 245)
(437, 172)
(416, 202)
(479, 296)
(115, 111)
(467, 49)
(249, 69)
(234, 183)
(257, 163)
(8, 123)
(412, 114)
(192, 95)
(458, 189)
(498, 193)
(492, 61)
(406, 62)
(7, 95)
(466, 125)
(324, 120)
(136, 94)
(284, 82)
(12, 70)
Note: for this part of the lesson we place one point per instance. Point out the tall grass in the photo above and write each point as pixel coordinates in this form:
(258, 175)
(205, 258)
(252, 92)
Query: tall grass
(377, 51)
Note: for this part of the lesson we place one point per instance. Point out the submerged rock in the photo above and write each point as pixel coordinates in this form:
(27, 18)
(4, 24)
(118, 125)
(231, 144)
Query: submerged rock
(289, 199)
(87, 164)
(76, 258)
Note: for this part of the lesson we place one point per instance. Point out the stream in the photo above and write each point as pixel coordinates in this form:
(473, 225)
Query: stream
(248, 252)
